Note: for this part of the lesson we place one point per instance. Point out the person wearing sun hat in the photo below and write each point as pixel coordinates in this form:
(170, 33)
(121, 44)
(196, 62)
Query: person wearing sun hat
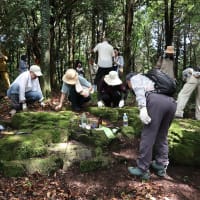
(76, 88)
(25, 89)
(112, 92)
(166, 62)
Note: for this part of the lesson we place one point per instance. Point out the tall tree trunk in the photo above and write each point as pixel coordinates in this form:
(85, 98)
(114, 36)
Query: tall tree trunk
(169, 21)
(127, 35)
(45, 52)
(52, 48)
(69, 24)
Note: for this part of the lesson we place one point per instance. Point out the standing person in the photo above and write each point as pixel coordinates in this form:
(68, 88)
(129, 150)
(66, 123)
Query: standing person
(25, 89)
(4, 70)
(77, 89)
(192, 79)
(93, 70)
(105, 60)
(156, 112)
(112, 92)
(23, 66)
(166, 62)
(79, 68)
(118, 61)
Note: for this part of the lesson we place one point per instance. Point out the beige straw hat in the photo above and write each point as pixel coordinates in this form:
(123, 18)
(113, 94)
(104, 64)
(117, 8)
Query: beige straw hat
(70, 77)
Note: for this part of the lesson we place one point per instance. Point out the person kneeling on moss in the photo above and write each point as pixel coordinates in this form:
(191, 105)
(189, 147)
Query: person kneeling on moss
(26, 89)
(156, 112)
(112, 91)
(77, 88)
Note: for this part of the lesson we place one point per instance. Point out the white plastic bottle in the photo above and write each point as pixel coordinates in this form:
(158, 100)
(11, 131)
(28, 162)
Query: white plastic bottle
(125, 120)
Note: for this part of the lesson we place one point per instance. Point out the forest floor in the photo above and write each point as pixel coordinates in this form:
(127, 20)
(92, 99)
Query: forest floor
(113, 183)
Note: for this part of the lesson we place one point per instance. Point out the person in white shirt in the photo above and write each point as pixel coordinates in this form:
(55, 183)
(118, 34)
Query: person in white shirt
(25, 89)
(105, 60)
(192, 83)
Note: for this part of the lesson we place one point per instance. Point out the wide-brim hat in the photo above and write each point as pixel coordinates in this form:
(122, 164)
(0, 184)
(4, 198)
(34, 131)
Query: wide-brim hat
(36, 70)
(169, 49)
(70, 77)
(112, 78)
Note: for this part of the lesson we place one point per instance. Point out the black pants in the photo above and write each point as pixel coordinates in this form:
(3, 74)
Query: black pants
(76, 99)
(101, 72)
(112, 99)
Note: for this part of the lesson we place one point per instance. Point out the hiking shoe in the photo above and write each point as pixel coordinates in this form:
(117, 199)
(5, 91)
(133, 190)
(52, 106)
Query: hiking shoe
(138, 172)
(12, 112)
(160, 170)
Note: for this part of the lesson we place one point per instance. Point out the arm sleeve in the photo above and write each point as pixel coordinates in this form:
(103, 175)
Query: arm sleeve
(139, 90)
(84, 82)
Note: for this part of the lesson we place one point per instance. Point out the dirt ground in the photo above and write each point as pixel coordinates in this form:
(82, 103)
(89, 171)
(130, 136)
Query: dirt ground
(113, 183)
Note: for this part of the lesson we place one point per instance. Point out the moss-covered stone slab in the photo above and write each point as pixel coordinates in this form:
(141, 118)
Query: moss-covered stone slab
(184, 140)
(95, 163)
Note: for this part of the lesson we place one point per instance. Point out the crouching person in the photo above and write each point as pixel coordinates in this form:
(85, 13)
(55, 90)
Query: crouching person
(25, 89)
(112, 92)
(76, 88)
(156, 112)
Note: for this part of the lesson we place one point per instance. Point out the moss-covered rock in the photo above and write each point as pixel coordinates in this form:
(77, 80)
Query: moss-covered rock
(21, 147)
(12, 168)
(128, 131)
(184, 140)
(29, 148)
(95, 163)
(45, 165)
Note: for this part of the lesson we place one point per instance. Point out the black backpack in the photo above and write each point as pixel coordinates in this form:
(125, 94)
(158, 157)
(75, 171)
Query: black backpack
(164, 84)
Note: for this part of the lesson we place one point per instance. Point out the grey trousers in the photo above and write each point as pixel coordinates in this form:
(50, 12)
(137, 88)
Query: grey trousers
(161, 109)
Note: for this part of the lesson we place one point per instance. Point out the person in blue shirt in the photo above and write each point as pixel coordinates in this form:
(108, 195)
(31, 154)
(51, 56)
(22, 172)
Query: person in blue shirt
(156, 112)
(23, 66)
(76, 88)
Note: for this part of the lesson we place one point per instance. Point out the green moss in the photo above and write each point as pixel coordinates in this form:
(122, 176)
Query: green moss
(94, 164)
(12, 169)
(184, 139)
(105, 112)
(128, 131)
(30, 148)
(45, 166)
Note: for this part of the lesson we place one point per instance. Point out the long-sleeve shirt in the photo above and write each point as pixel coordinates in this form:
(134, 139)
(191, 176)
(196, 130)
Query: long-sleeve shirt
(26, 84)
(140, 85)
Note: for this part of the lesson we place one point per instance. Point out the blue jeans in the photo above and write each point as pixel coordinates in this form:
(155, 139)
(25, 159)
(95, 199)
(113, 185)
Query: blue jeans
(13, 94)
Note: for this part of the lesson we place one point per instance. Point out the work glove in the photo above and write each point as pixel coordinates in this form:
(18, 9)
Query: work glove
(144, 117)
(24, 106)
(42, 104)
(100, 104)
(121, 103)
(85, 93)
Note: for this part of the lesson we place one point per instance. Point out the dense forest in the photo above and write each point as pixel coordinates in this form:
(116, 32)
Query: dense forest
(57, 33)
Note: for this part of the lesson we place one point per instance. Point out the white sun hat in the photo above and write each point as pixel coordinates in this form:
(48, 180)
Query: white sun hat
(112, 78)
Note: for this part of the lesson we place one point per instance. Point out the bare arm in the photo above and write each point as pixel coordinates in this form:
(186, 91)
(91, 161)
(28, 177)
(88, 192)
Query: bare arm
(59, 106)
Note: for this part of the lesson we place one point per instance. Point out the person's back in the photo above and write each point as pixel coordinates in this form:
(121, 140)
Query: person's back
(105, 54)
(166, 62)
